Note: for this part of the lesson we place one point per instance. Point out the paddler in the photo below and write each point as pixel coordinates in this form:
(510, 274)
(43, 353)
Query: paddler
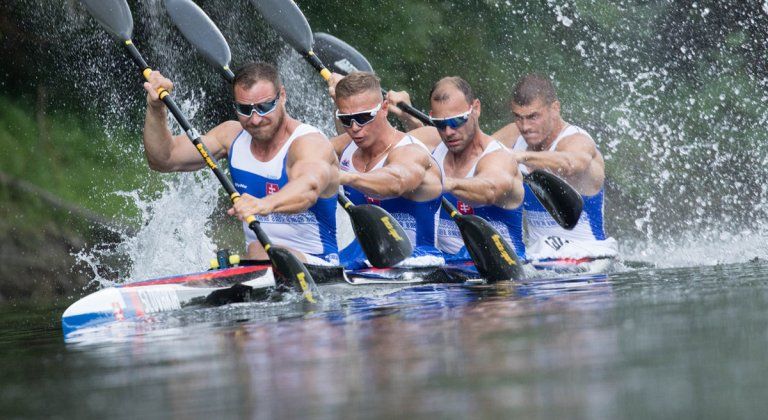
(541, 139)
(480, 176)
(286, 171)
(386, 167)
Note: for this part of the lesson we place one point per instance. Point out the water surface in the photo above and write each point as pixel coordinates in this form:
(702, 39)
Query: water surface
(673, 343)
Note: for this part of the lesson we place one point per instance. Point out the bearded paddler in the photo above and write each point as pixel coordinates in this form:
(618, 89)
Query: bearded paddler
(285, 170)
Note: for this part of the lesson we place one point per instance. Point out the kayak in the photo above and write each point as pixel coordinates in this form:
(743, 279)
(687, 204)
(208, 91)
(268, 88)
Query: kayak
(251, 282)
(256, 281)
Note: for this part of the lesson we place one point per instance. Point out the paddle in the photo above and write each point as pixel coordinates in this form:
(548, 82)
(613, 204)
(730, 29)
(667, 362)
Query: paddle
(380, 236)
(115, 17)
(559, 198)
(494, 259)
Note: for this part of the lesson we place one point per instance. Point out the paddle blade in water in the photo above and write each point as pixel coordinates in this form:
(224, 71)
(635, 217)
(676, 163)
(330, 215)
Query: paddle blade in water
(560, 199)
(380, 236)
(494, 258)
(339, 56)
(200, 31)
(288, 21)
(290, 272)
(113, 15)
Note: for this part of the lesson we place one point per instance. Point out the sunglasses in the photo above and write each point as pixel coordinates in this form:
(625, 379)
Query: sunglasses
(361, 118)
(262, 109)
(454, 122)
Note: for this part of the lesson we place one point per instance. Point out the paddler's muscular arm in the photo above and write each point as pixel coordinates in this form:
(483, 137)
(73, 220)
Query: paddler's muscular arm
(507, 135)
(168, 153)
(571, 159)
(497, 181)
(402, 173)
(427, 135)
(313, 172)
(576, 159)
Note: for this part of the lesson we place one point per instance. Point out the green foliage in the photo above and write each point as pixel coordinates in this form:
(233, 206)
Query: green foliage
(69, 156)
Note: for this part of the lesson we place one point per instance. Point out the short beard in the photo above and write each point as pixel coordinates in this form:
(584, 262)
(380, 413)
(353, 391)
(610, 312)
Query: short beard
(471, 126)
(265, 134)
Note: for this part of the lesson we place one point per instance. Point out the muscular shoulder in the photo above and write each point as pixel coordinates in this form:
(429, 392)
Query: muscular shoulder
(314, 146)
(410, 154)
(225, 133)
(577, 142)
(500, 160)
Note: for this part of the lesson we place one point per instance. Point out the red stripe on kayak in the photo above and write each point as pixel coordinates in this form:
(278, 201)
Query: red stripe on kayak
(205, 275)
(138, 307)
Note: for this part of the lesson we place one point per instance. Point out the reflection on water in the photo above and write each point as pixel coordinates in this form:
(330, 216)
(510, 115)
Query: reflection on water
(655, 343)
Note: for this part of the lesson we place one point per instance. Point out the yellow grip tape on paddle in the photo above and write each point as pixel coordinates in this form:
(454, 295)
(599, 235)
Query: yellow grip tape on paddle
(454, 213)
(207, 158)
(326, 74)
(348, 204)
(305, 287)
(161, 91)
(390, 228)
(250, 219)
(502, 250)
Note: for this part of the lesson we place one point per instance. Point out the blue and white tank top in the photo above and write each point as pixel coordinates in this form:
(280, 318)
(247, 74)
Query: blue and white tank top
(508, 222)
(418, 218)
(539, 223)
(312, 231)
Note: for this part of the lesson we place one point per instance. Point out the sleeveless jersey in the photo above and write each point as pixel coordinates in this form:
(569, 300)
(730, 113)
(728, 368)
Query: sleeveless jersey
(508, 222)
(418, 218)
(312, 231)
(546, 237)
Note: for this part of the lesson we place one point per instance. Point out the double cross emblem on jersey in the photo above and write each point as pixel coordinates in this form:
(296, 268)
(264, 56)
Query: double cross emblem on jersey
(272, 188)
(464, 208)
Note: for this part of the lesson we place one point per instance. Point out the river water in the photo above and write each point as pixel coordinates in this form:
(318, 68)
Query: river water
(646, 343)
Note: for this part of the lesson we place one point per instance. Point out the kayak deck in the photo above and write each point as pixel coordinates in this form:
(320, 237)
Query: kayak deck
(256, 281)
(251, 282)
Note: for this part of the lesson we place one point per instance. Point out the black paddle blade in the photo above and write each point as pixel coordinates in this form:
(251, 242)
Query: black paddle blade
(494, 259)
(113, 15)
(288, 21)
(339, 56)
(382, 238)
(200, 31)
(560, 199)
(289, 271)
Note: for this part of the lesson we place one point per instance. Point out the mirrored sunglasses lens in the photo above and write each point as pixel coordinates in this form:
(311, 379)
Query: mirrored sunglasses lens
(454, 122)
(265, 108)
